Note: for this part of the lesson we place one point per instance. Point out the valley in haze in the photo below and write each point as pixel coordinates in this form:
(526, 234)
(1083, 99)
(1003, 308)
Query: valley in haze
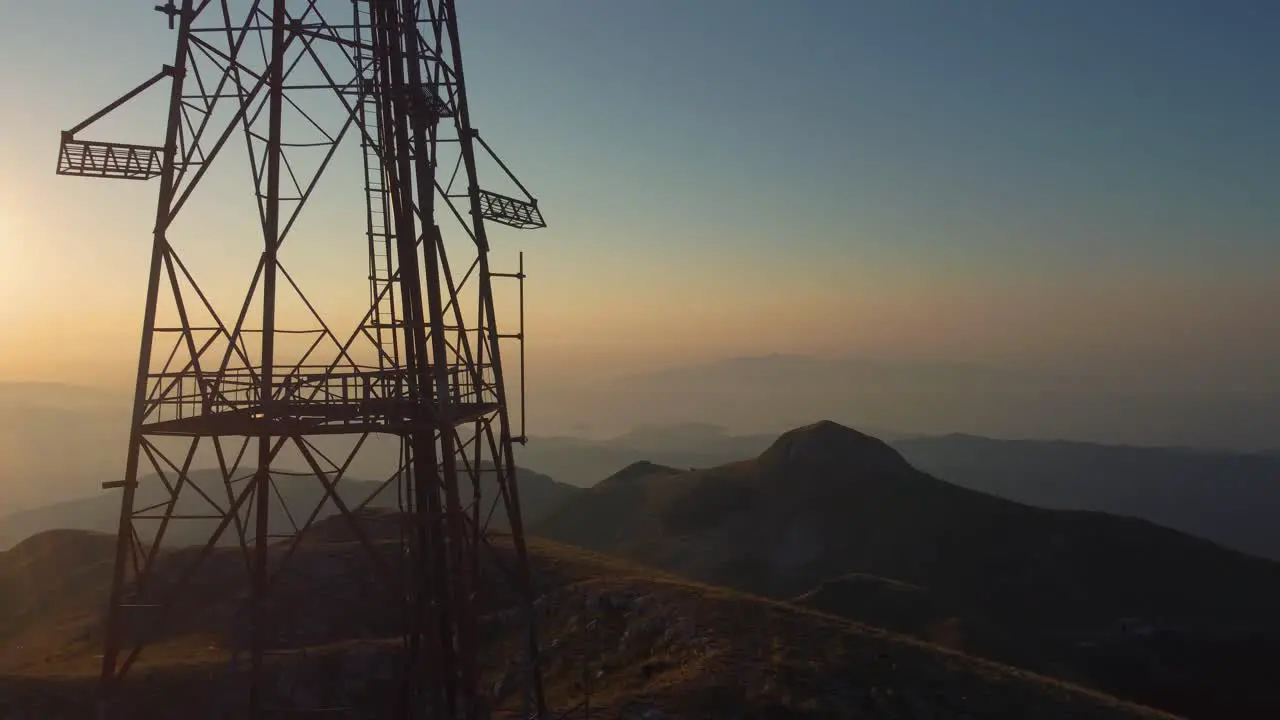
(1230, 497)
(58, 441)
(722, 408)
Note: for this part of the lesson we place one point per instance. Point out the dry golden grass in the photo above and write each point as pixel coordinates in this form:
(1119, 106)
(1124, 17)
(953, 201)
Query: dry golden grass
(644, 638)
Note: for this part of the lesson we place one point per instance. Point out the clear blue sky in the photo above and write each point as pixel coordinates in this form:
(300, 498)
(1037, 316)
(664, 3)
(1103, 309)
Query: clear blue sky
(1046, 184)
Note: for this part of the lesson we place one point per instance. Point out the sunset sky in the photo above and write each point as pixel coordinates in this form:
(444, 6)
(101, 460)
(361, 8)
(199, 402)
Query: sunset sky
(1071, 187)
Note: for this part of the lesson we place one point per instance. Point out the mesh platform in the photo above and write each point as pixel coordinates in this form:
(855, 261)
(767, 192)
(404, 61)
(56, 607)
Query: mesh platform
(87, 158)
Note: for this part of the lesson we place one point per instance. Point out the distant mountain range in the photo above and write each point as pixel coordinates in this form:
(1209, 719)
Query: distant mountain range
(1076, 594)
(826, 494)
(100, 513)
(57, 441)
(763, 395)
(773, 392)
(1230, 498)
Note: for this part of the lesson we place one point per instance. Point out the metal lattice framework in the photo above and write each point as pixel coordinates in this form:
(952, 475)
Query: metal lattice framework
(264, 394)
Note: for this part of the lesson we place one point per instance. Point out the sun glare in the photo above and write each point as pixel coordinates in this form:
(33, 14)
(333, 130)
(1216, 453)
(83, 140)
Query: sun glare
(16, 271)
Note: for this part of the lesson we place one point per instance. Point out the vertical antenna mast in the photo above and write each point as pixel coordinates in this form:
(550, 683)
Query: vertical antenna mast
(252, 417)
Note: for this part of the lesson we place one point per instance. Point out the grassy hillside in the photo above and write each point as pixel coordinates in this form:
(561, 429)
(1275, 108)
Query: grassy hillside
(913, 610)
(645, 642)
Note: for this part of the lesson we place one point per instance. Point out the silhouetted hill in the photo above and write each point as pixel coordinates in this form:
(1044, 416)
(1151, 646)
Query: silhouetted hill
(824, 501)
(538, 494)
(656, 647)
(582, 462)
(1229, 498)
(635, 473)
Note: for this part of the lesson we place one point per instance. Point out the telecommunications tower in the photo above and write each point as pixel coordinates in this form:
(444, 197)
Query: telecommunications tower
(304, 139)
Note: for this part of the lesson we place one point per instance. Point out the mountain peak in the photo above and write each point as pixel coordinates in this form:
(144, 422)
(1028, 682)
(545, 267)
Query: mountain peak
(826, 442)
(638, 470)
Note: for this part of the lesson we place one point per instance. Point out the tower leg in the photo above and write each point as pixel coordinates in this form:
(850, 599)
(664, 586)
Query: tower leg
(125, 539)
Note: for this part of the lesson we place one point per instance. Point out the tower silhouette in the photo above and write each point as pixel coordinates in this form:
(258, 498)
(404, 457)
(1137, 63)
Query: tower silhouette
(254, 409)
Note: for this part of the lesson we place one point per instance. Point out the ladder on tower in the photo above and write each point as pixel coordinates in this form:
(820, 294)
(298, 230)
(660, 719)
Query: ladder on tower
(383, 323)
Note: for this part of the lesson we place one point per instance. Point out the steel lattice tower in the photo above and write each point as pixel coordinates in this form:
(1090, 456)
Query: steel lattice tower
(291, 94)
